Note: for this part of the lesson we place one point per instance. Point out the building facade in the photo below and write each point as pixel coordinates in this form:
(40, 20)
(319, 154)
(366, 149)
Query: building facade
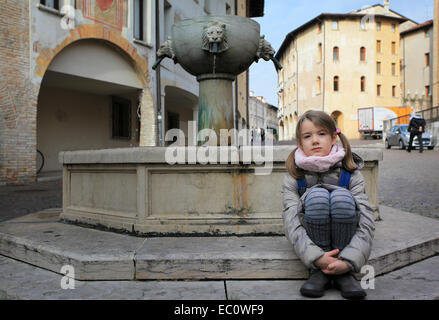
(76, 75)
(262, 118)
(339, 63)
(417, 58)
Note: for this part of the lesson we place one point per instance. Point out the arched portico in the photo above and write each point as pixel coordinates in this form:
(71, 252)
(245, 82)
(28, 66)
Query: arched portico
(89, 91)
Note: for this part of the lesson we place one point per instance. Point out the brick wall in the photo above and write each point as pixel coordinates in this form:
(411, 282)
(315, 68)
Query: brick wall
(17, 96)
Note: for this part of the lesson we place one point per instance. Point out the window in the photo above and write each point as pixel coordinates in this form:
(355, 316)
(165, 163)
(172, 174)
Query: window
(394, 91)
(363, 84)
(393, 27)
(319, 27)
(138, 20)
(173, 122)
(362, 54)
(50, 3)
(378, 45)
(228, 9)
(121, 118)
(379, 90)
(336, 83)
(427, 90)
(393, 47)
(427, 59)
(393, 69)
(319, 85)
(320, 52)
(427, 33)
(378, 26)
(335, 25)
(378, 67)
(336, 54)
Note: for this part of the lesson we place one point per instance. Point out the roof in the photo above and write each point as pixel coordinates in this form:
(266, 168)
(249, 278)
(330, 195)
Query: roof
(380, 5)
(255, 8)
(290, 36)
(425, 25)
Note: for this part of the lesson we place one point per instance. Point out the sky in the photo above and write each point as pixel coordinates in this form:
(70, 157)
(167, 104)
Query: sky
(284, 16)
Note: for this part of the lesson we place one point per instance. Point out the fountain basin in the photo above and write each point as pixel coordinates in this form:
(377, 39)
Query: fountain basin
(137, 191)
(242, 38)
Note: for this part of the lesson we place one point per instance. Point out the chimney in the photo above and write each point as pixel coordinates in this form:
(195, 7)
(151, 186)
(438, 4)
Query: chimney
(387, 6)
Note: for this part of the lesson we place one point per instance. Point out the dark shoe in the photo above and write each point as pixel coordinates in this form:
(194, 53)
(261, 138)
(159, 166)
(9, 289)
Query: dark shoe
(349, 287)
(408, 150)
(316, 285)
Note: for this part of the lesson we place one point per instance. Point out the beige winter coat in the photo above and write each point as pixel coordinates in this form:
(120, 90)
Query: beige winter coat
(358, 251)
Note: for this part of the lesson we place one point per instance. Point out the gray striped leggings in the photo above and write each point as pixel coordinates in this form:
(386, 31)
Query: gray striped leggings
(330, 218)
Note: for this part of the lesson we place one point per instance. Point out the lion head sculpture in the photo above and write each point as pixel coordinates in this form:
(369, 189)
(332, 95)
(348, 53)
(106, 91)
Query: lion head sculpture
(166, 50)
(214, 35)
(265, 50)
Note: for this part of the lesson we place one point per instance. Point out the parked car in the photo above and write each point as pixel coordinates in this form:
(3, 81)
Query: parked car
(399, 136)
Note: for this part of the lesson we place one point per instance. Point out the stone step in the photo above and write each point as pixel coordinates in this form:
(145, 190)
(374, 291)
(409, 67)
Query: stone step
(39, 239)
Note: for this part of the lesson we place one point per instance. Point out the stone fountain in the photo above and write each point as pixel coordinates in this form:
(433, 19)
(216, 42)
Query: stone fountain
(137, 190)
(216, 49)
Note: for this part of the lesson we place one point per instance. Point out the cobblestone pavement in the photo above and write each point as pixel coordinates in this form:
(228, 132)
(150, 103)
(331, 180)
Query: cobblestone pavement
(408, 181)
(19, 200)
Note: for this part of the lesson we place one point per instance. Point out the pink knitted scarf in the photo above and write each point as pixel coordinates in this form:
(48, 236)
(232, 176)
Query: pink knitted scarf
(317, 163)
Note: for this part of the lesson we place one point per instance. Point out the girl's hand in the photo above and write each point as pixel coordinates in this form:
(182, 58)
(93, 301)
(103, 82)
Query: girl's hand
(324, 261)
(337, 267)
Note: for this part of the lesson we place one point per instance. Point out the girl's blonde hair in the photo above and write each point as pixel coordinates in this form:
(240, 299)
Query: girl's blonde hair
(323, 120)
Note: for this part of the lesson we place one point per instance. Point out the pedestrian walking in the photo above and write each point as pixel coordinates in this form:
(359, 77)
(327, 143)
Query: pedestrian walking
(327, 216)
(416, 128)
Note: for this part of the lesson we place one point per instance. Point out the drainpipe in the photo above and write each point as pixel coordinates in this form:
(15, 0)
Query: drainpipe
(236, 88)
(159, 119)
(246, 99)
(403, 66)
(323, 62)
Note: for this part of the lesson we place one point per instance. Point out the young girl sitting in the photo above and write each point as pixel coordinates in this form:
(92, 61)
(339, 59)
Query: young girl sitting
(326, 214)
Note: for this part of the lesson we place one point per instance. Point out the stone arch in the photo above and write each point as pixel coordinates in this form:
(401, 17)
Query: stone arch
(291, 127)
(295, 121)
(339, 119)
(98, 32)
(281, 130)
(286, 128)
(122, 45)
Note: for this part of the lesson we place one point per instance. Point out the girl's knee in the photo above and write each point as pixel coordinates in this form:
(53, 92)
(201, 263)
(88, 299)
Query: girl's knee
(318, 193)
(317, 204)
(342, 204)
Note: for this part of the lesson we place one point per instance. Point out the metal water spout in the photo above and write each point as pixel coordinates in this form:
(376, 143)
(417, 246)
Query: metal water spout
(216, 49)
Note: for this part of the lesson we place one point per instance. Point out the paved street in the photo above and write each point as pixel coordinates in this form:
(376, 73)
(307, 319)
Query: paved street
(408, 181)
(17, 201)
